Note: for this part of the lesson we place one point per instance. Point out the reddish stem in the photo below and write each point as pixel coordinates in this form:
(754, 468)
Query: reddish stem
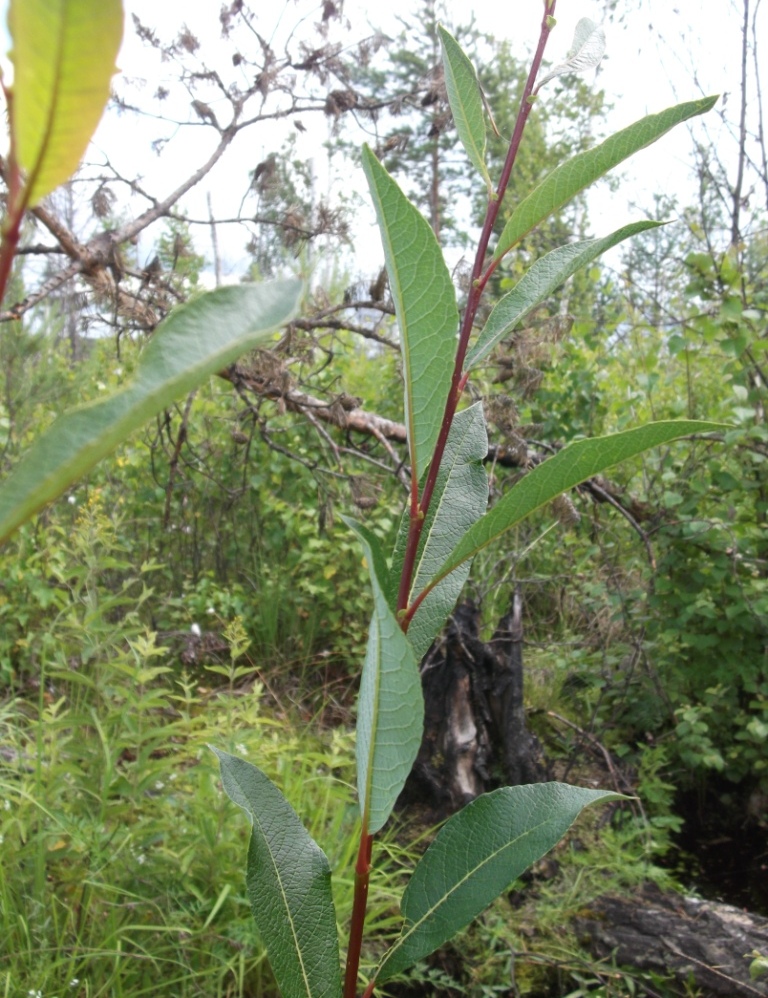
(420, 506)
(10, 240)
(477, 286)
(16, 204)
(362, 874)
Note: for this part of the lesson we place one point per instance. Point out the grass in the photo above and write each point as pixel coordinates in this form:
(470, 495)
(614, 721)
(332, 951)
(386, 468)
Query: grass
(121, 859)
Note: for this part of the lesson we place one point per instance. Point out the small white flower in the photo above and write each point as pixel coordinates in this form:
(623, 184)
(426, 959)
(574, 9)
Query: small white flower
(241, 748)
(195, 629)
(173, 776)
(74, 982)
(71, 500)
(6, 805)
(159, 785)
(210, 610)
(141, 859)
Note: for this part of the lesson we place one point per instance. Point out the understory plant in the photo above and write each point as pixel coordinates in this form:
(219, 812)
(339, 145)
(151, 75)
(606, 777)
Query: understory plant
(480, 850)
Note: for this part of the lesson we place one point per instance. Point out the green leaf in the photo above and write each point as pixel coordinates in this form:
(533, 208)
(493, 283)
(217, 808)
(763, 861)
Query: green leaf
(538, 283)
(572, 465)
(475, 856)
(564, 182)
(64, 55)
(758, 966)
(459, 500)
(289, 886)
(425, 305)
(466, 103)
(390, 707)
(194, 342)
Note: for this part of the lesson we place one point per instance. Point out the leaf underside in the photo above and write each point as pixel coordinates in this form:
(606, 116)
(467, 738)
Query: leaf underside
(465, 100)
(475, 856)
(571, 177)
(567, 469)
(289, 886)
(195, 342)
(390, 706)
(425, 305)
(459, 500)
(586, 52)
(64, 54)
(540, 280)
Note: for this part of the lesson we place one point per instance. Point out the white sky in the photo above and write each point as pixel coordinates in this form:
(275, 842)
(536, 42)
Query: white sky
(639, 75)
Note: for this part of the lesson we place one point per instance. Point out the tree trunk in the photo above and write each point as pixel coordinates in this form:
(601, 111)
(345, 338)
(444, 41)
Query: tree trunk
(475, 734)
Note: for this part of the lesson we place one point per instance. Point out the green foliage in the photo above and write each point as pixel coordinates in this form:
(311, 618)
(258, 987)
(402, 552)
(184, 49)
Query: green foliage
(496, 837)
(574, 464)
(539, 282)
(113, 708)
(289, 884)
(425, 305)
(571, 177)
(390, 709)
(197, 340)
(701, 610)
(460, 499)
(465, 99)
(119, 866)
(38, 381)
(476, 854)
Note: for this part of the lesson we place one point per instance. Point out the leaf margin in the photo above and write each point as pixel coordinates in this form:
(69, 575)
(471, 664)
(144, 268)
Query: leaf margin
(662, 432)
(435, 856)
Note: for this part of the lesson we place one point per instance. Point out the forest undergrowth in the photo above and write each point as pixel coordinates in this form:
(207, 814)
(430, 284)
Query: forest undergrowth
(119, 864)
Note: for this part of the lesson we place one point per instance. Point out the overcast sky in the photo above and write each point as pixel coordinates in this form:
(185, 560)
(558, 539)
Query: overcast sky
(654, 58)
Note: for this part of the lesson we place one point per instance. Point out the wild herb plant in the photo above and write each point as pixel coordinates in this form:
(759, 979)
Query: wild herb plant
(480, 850)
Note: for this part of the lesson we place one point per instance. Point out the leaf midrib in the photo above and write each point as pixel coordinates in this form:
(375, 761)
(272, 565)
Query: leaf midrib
(283, 895)
(428, 914)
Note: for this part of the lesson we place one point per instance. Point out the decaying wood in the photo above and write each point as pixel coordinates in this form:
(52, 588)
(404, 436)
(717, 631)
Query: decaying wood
(701, 941)
(475, 735)
(520, 750)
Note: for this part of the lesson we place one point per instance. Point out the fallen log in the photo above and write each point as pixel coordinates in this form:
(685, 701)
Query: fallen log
(709, 943)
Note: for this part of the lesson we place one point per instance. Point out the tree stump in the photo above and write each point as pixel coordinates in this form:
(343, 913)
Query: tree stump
(475, 734)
